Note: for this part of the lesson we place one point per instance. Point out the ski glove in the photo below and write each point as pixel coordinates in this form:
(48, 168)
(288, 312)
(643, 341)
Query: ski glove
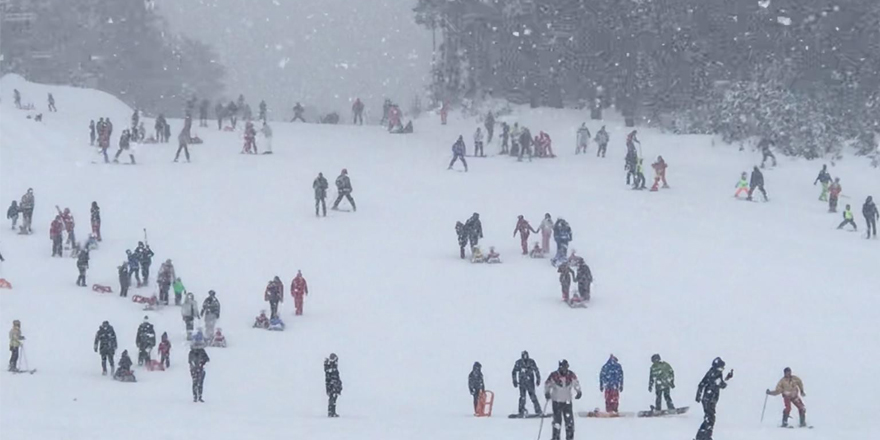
(547, 396)
(578, 395)
(515, 385)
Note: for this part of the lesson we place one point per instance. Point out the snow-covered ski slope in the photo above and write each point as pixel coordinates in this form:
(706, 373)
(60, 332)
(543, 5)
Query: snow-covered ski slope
(688, 272)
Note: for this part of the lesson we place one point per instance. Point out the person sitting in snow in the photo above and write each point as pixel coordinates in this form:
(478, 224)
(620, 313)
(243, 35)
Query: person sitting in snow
(123, 372)
(92, 242)
(536, 251)
(477, 255)
(276, 324)
(198, 339)
(493, 257)
(262, 321)
(218, 340)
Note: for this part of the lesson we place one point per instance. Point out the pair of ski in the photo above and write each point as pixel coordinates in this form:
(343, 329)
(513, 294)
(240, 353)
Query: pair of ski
(650, 413)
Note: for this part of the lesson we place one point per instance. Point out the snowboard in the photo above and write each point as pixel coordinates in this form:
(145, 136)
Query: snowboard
(662, 413)
(604, 415)
(793, 426)
(24, 371)
(529, 416)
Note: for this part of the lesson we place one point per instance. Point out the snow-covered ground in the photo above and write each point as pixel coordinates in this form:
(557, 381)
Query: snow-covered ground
(688, 272)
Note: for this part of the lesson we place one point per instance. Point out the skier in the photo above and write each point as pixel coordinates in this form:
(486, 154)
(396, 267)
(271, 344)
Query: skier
(659, 173)
(584, 279)
(164, 278)
(197, 360)
(602, 140)
(343, 188)
(546, 229)
(834, 191)
(526, 377)
(583, 139)
(105, 344)
(82, 264)
(55, 234)
(146, 260)
(52, 107)
(742, 186)
(12, 213)
(357, 108)
(757, 182)
(563, 236)
(505, 138)
(461, 232)
(92, 132)
(124, 279)
(298, 113)
(560, 387)
(145, 340)
(189, 312)
(765, 145)
(184, 138)
(267, 135)
(458, 152)
(565, 277)
(165, 350)
(124, 373)
(792, 389)
(298, 289)
(524, 229)
(179, 290)
(96, 220)
(825, 178)
(320, 186)
(869, 210)
(26, 206)
(474, 229)
(661, 379)
(274, 294)
(220, 113)
(611, 382)
(250, 138)
(475, 385)
(15, 338)
(211, 311)
(332, 383)
(708, 392)
(134, 266)
(848, 219)
(478, 143)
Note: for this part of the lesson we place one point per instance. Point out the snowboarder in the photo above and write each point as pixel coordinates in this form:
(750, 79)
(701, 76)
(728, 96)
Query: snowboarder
(526, 377)
(105, 344)
(92, 134)
(82, 264)
(478, 143)
(848, 219)
(189, 312)
(565, 277)
(869, 210)
(561, 387)
(26, 206)
(546, 229)
(792, 389)
(563, 236)
(461, 232)
(474, 229)
(524, 229)
(211, 311)
(145, 340)
(475, 385)
(179, 290)
(834, 191)
(55, 234)
(742, 186)
(661, 379)
(298, 113)
(267, 135)
(145, 255)
(611, 382)
(52, 107)
(458, 151)
(299, 288)
(124, 279)
(602, 141)
(757, 182)
(184, 139)
(12, 213)
(15, 338)
(96, 220)
(825, 178)
(584, 279)
(357, 109)
(134, 266)
(708, 392)
(165, 350)
(274, 294)
(659, 173)
(320, 186)
(505, 138)
(583, 139)
(124, 373)
(343, 188)
(197, 360)
(164, 278)
(765, 145)
(332, 383)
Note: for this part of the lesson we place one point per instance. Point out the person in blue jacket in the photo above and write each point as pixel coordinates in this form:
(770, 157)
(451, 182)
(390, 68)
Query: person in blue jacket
(611, 382)
(562, 235)
(458, 150)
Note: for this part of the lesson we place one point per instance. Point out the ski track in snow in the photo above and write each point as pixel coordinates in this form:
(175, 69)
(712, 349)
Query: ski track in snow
(687, 272)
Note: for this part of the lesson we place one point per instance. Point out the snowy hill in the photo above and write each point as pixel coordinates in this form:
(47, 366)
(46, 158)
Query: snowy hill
(688, 272)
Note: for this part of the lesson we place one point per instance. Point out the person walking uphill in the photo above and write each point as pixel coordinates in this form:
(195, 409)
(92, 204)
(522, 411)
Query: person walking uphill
(189, 311)
(611, 382)
(825, 179)
(476, 385)
(708, 393)
(757, 182)
(458, 150)
(332, 383)
(274, 294)
(561, 387)
(834, 191)
(197, 360)
(661, 379)
(546, 229)
(869, 210)
(524, 229)
(105, 344)
(15, 338)
(165, 277)
(792, 389)
(299, 288)
(320, 186)
(474, 229)
(211, 312)
(343, 187)
(145, 340)
(526, 377)
(82, 265)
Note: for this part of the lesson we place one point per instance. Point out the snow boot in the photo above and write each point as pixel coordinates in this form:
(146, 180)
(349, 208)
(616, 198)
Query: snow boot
(784, 420)
(803, 419)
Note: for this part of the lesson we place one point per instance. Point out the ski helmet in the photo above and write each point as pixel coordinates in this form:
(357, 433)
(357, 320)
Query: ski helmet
(333, 357)
(718, 363)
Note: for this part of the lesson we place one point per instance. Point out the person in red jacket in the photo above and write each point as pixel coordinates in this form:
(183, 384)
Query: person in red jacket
(524, 229)
(67, 220)
(298, 289)
(55, 231)
(659, 173)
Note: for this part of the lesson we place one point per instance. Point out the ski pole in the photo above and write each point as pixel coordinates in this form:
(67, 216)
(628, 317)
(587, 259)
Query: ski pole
(541, 427)
(765, 407)
(24, 359)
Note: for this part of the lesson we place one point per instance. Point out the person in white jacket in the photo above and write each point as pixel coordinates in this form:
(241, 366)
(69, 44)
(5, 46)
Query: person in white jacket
(546, 229)
(267, 133)
(562, 387)
(189, 311)
(478, 143)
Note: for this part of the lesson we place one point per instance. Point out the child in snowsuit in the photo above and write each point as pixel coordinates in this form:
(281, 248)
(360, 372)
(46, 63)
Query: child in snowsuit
(462, 237)
(565, 277)
(848, 219)
(12, 213)
(124, 373)
(659, 173)
(299, 288)
(524, 229)
(476, 385)
(834, 192)
(165, 350)
(742, 186)
(792, 389)
(262, 321)
(611, 382)
(536, 251)
(639, 180)
(458, 150)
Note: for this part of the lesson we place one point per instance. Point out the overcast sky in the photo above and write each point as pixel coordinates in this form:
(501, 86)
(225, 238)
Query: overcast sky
(322, 53)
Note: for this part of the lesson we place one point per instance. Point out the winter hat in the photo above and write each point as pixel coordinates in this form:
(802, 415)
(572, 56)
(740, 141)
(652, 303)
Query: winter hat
(613, 358)
(16, 323)
(563, 364)
(198, 340)
(718, 363)
(212, 293)
(524, 354)
(477, 365)
(655, 358)
(333, 357)
(344, 171)
(146, 318)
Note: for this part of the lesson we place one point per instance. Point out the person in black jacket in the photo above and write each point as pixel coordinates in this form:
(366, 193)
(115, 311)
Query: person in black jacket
(525, 144)
(96, 220)
(765, 145)
(124, 279)
(584, 279)
(474, 230)
(869, 210)
(343, 186)
(476, 385)
(146, 259)
(526, 377)
(461, 232)
(197, 360)
(332, 383)
(708, 392)
(105, 344)
(320, 186)
(757, 182)
(82, 264)
(145, 339)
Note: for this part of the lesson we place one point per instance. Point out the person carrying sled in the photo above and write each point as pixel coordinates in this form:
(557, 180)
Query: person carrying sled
(211, 311)
(332, 383)
(524, 229)
(164, 279)
(848, 219)
(611, 382)
(15, 338)
(189, 312)
(526, 377)
(562, 387)
(834, 191)
(124, 373)
(343, 188)
(105, 344)
(146, 260)
(274, 294)
(661, 379)
(708, 393)
(124, 279)
(96, 220)
(792, 389)
(82, 265)
(474, 229)
(299, 288)
(757, 182)
(659, 173)
(458, 151)
(461, 232)
(869, 210)
(742, 186)
(825, 178)
(584, 279)
(765, 145)
(165, 350)
(583, 139)
(478, 143)
(320, 186)
(565, 277)
(145, 340)
(197, 360)
(55, 234)
(476, 386)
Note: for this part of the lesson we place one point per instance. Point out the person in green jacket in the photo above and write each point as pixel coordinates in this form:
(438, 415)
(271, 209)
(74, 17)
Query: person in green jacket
(742, 186)
(662, 379)
(179, 290)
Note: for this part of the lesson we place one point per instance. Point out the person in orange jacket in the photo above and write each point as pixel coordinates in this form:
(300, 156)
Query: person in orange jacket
(299, 288)
(524, 229)
(659, 173)
(792, 389)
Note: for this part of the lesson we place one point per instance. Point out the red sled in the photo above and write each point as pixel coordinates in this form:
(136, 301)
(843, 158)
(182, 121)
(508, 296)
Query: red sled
(5, 284)
(101, 288)
(155, 365)
(140, 299)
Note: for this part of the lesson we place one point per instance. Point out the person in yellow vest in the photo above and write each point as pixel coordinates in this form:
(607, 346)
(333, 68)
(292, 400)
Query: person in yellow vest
(792, 389)
(742, 186)
(15, 339)
(848, 219)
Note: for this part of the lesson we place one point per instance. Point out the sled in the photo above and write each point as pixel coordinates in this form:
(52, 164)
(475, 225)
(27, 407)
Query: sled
(151, 303)
(485, 404)
(155, 365)
(276, 327)
(101, 288)
(577, 303)
(5, 284)
(494, 260)
(124, 377)
(604, 415)
(663, 413)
